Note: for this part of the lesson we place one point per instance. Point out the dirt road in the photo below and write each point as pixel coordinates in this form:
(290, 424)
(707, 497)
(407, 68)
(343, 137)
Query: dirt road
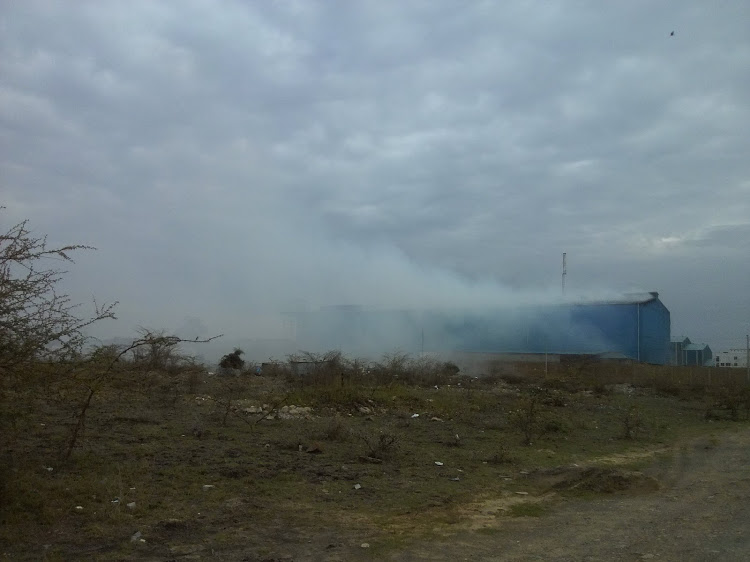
(700, 512)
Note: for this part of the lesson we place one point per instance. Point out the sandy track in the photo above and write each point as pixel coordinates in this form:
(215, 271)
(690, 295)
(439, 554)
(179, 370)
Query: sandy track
(701, 512)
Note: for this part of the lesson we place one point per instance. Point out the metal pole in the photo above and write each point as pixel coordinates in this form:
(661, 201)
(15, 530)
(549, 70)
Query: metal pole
(638, 331)
(747, 356)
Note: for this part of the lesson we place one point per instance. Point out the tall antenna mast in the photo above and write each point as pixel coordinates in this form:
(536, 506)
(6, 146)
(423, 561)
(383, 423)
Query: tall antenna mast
(564, 271)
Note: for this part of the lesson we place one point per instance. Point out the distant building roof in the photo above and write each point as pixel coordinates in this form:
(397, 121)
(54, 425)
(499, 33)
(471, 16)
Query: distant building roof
(696, 347)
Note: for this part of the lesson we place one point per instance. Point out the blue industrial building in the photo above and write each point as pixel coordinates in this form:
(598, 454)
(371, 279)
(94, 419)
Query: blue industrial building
(635, 327)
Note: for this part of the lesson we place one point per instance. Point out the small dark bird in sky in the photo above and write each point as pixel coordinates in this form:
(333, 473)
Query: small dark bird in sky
(671, 34)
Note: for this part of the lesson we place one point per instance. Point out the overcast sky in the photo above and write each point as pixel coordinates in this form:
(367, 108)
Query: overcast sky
(231, 159)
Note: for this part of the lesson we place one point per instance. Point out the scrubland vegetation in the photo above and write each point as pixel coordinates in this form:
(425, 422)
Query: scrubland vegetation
(254, 464)
(137, 452)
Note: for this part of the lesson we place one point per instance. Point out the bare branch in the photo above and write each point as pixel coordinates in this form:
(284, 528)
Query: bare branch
(37, 322)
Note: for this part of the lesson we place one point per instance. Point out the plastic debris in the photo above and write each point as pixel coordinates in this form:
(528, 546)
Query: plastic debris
(131, 505)
(357, 486)
(415, 415)
(136, 536)
(79, 508)
(365, 545)
(438, 463)
(208, 487)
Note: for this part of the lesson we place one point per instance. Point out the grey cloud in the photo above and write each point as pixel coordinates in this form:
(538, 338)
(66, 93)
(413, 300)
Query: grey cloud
(257, 153)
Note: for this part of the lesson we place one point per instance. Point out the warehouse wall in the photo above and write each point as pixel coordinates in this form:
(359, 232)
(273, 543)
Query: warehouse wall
(566, 329)
(655, 333)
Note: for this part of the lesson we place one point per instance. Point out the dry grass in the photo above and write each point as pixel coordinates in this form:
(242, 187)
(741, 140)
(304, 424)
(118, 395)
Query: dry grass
(158, 438)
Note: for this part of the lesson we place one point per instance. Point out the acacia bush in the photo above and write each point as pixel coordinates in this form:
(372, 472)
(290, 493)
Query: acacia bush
(37, 321)
(233, 360)
(43, 342)
(42, 334)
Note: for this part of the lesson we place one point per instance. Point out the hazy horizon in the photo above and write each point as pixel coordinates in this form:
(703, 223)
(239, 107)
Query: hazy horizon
(235, 160)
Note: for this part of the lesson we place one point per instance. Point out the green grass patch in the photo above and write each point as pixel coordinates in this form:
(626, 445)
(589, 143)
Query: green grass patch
(527, 509)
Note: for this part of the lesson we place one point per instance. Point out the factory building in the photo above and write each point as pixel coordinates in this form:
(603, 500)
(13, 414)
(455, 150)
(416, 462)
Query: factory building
(732, 358)
(635, 327)
(683, 352)
(698, 354)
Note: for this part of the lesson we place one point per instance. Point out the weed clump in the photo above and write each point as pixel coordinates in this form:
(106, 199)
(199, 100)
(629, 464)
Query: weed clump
(380, 444)
(633, 423)
(729, 399)
(501, 456)
(530, 418)
(336, 430)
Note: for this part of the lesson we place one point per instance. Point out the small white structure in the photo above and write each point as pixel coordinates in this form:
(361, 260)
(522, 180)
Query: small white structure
(736, 357)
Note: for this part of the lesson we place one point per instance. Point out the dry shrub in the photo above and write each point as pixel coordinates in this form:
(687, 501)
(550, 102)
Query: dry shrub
(508, 376)
(422, 371)
(730, 398)
(194, 377)
(380, 444)
(633, 423)
(529, 417)
(501, 456)
(336, 430)
(320, 370)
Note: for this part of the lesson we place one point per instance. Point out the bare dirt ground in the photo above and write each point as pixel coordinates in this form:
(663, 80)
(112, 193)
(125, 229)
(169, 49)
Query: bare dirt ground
(700, 512)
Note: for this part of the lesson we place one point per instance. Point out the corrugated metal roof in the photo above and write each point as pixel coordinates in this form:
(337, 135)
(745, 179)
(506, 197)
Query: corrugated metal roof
(627, 298)
(695, 347)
